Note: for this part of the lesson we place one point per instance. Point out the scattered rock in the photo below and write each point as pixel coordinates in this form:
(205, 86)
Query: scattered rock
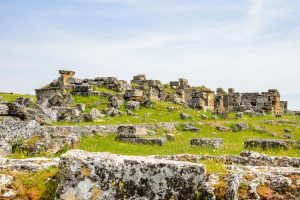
(207, 142)
(151, 141)
(111, 111)
(287, 130)
(188, 127)
(116, 102)
(223, 128)
(239, 114)
(185, 116)
(287, 136)
(240, 127)
(80, 107)
(170, 137)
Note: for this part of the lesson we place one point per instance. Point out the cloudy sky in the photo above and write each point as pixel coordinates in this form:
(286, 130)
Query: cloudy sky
(251, 45)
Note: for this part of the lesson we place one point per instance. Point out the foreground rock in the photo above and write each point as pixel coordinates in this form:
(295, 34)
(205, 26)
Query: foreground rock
(106, 176)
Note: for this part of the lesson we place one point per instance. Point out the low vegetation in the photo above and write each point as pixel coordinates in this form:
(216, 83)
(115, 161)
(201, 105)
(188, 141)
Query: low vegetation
(34, 185)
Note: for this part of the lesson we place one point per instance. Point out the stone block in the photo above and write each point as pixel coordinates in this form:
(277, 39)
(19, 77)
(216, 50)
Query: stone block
(268, 143)
(207, 142)
(106, 176)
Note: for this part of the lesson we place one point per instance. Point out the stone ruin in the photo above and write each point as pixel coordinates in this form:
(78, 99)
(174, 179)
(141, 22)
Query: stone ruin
(55, 100)
(59, 94)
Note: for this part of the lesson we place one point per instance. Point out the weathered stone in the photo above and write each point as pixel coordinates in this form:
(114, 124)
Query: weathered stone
(28, 164)
(95, 113)
(106, 176)
(287, 130)
(170, 137)
(5, 185)
(240, 127)
(12, 129)
(268, 143)
(185, 116)
(152, 141)
(223, 128)
(111, 111)
(280, 183)
(287, 136)
(131, 131)
(188, 127)
(133, 105)
(207, 142)
(65, 113)
(239, 114)
(4, 109)
(80, 107)
(116, 102)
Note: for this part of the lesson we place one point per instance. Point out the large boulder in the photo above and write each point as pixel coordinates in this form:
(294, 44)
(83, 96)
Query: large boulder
(107, 176)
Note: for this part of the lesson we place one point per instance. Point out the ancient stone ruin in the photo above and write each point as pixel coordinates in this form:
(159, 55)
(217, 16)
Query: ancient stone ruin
(141, 92)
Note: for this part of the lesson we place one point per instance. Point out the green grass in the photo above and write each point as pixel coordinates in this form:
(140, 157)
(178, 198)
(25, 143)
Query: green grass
(10, 97)
(90, 102)
(103, 90)
(233, 144)
(158, 113)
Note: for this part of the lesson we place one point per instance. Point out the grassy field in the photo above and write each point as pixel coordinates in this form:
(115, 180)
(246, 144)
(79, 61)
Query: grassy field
(10, 97)
(233, 143)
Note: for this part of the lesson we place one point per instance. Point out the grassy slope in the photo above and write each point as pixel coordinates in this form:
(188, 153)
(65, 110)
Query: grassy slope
(233, 142)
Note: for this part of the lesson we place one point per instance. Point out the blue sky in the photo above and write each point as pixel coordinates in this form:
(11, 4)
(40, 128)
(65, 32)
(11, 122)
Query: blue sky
(252, 45)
